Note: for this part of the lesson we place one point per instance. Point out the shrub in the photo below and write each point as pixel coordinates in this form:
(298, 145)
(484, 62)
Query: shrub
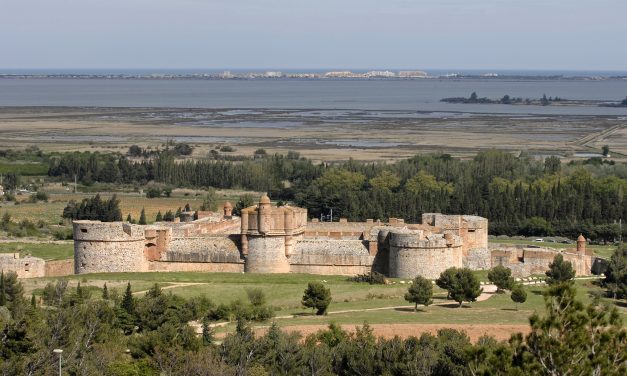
(317, 297)
(373, 278)
(501, 277)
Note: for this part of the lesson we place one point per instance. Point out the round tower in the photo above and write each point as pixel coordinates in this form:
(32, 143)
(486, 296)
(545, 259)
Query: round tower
(101, 247)
(265, 214)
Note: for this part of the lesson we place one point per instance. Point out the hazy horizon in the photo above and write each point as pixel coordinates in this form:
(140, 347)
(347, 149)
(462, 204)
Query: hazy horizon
(490, 35)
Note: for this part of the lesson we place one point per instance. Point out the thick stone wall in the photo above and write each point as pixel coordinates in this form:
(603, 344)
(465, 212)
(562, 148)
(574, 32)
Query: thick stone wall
(204, 249)
(266, 255)
(412, 255)
(341, 257)
(478, 259)
(207, 267)
(527, 261)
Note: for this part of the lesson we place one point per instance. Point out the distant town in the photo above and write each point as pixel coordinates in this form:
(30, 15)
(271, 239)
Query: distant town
(334, 74)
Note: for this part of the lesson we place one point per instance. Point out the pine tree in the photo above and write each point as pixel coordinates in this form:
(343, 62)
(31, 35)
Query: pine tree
(105, 292)
(128, 303)
(420, 292)
(559, 271)
(318, 297)
(159, 217)
(142, 217)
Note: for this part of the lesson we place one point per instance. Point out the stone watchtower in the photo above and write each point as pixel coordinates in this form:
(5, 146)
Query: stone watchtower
(269, 234)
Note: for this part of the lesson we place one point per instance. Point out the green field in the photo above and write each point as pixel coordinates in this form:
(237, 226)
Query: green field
(24, 168)
(284, 292)
(46, 251)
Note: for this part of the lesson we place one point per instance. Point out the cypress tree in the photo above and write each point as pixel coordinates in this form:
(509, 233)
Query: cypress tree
(3, 296)
(142, 217)
(128, 304)
(105, 292)
(159, 217)
(129, 219)
(33, 301)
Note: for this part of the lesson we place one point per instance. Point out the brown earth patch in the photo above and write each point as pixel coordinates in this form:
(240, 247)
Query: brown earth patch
(474, 331)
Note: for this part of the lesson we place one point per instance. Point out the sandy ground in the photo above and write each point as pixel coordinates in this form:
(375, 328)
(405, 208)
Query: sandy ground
(474, 331)
(319, 135)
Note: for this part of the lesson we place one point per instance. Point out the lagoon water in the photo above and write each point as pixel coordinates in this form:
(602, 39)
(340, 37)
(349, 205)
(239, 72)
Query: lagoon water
(406, 95)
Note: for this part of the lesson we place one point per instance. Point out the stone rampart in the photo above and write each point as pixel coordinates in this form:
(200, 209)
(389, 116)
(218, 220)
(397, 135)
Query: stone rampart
(214, 249)
(205, 267)
(59, 268)
(411, 253)
(267, 255)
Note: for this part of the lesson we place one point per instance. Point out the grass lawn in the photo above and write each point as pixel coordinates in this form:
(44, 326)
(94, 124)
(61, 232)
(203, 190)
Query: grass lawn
(46, 251)
(284, 291)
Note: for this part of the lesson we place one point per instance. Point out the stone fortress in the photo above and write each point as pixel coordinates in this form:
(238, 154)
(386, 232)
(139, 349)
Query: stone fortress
(271, 239)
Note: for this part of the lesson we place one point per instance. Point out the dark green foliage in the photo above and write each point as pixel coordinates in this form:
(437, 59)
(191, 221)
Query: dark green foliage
(446, 280)
(317, 297)
(153, 192)
(169, 216)
(105, 292)
(606, 150)
(129, 219)
(501, 277)
(466, 287)
(519, 295)
(559, 271)
(616, 273)
(373, 278)
(420, 292)
(510, 191)
(128, 302)
(159, 217)
(243, 202)
(142, 217)
(94, 209)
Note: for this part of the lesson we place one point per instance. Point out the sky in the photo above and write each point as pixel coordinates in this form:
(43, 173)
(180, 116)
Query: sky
(314, 34)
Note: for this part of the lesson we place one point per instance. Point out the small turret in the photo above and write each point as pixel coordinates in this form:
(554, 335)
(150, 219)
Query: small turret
(228, 210)
(581, 244)
(265, 214)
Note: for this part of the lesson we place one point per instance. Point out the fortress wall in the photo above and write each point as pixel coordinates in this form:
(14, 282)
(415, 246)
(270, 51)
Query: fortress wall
(26, 267)
(331, 257)
(411, 254)
(59, 268)
(267, 255)
(536, 260)
(218, 249)
(207, 267)
(478, 259)
(108, 247)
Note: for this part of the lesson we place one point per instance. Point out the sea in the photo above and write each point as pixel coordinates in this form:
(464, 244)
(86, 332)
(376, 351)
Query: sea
(420, 95)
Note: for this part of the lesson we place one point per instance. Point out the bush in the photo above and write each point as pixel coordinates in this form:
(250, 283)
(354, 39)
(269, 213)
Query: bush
(227, 149)
(519, 295)
(317, 297)
(501, 277)
(373, 278)
(559, 271)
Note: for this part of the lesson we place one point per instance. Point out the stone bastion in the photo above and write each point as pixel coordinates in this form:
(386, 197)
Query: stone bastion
(108, 247)
(416, 252)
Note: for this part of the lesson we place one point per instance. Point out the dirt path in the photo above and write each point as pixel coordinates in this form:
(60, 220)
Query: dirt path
(173, 286)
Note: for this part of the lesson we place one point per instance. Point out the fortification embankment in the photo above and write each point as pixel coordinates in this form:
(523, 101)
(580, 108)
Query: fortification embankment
(340, 257)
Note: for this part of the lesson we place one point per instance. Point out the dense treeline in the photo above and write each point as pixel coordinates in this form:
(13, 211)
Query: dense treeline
(519, 195)
(151, 335)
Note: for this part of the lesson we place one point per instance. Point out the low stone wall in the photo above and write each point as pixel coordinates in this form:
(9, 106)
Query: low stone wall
(349, 270)
(26, 267)
(59, 268)
(164, 266)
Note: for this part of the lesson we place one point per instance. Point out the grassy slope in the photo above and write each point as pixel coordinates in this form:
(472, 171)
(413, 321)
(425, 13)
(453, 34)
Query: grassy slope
(43, 250)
